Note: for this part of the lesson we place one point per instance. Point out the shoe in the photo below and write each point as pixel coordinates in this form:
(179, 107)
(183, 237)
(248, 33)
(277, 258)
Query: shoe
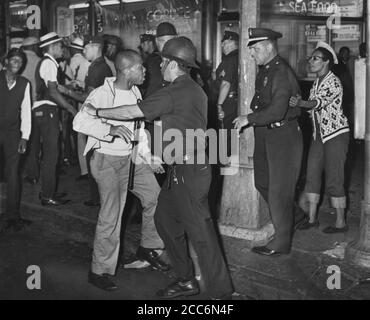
(153, 258)
(179, 288)
(333, 230)
(102, 282)
(91, 203)
(136, 264)
(82, 177)
(308, 225)
(31, 181)
(53, 202)
(266, 251)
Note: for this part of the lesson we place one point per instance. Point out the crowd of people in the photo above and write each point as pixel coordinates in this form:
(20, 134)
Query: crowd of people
(108, 95)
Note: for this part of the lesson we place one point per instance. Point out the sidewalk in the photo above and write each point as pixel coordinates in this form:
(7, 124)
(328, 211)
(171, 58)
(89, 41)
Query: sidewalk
(301, 275)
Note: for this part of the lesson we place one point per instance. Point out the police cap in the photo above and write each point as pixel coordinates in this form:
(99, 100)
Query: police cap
(260, 34)
(230, 35)
(166, 29)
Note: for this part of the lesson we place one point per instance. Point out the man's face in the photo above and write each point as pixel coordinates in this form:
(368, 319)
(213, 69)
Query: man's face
(90, 51)
(57, 50)
(146, 46)
(111, 50)
(14, 64)
(260, 52)
(165, 69)
(137, 72)
(225, 45)
(344, 55)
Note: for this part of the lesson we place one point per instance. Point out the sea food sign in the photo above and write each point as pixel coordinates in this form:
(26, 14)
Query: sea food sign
(307, 7)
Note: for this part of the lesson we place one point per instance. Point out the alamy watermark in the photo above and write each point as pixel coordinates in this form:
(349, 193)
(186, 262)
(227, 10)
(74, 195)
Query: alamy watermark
(194, 146)
(334, 281)
(34, 279)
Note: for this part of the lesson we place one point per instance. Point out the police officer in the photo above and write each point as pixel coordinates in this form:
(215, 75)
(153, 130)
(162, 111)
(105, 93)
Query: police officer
(227, 75)
(46, 117)
(278, 139)
(151, 60)
(182, 212)
(165, 31)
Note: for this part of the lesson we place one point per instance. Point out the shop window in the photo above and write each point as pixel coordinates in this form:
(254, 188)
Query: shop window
(129, 20)
(310, 22)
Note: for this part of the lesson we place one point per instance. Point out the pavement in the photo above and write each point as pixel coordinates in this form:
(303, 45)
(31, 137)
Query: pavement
(60, 239)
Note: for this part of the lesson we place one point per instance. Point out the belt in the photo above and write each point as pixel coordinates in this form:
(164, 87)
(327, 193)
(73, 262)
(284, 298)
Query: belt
(279, 124)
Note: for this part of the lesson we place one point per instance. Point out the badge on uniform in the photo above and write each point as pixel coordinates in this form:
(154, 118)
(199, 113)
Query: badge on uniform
(39, 113)
(265, 81)
(223, 74)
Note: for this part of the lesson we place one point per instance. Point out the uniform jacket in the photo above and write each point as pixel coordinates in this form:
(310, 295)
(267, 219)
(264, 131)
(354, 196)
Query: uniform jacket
(275, 84)
(99, 129)
(329, 112)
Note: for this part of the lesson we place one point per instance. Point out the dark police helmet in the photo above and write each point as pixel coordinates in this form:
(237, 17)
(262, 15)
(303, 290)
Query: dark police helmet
(182, 50)
(166, 29)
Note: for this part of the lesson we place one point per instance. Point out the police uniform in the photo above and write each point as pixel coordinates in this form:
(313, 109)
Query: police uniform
(183, 202)
(153, 79)
(228, 70)
(278, 141)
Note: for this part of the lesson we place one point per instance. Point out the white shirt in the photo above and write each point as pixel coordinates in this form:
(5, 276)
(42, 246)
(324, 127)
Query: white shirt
(119, 147)
(98, 130)
(79, 66)
(26, 117)
(48, 72)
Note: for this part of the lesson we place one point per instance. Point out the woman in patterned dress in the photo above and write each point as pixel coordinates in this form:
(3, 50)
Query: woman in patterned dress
(329, 145)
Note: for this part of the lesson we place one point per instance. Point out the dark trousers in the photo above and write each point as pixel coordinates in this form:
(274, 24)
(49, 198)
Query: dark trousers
(230, 108)
(9, 141)
(331, 158)
(277, 163)
(182, 213)
(93, 186)
(45, 131)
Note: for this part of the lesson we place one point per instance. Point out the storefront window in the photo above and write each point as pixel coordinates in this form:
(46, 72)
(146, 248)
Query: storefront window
(340, 23)
(129, 20)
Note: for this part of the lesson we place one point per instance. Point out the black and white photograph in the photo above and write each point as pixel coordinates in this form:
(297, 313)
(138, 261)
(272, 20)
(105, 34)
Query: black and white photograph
(185, 157)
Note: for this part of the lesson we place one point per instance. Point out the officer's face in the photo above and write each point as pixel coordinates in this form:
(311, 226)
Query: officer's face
(225, 45)
(165, 69)
(146, 46)
(260, 52)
